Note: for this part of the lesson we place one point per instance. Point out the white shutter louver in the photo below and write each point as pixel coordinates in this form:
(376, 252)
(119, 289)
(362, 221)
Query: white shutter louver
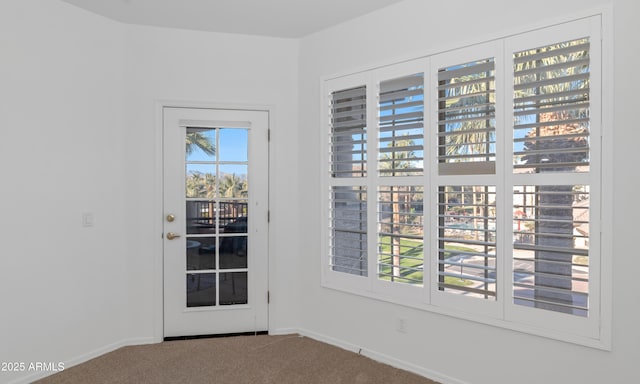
(467, 240)
(349, 132)
(348, 223)
(507, 176)
(466, 118)
(401, 234)
(551, 108)
(551, 134)
(551, 247)
(401, 129)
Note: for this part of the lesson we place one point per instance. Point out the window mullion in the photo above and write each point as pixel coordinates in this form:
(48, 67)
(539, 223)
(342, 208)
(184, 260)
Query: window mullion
(373, 91)
(505, 180)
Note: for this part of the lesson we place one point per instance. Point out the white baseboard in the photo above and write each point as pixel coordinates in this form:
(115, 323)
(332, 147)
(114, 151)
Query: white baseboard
(381, 357)
(283, 331)
(85, 357)
(377, 356)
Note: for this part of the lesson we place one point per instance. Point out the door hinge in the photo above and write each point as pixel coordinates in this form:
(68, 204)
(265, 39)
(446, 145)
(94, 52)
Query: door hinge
(268, 297)
(268, 134)
(268, 216)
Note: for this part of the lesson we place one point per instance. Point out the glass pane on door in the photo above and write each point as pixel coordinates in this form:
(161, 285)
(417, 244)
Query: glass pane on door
(233, 288)
(216, 211)
(201, 217)
(201, 289)
(201, 253)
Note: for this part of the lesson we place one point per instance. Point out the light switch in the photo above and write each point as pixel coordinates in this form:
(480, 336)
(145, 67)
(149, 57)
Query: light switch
(87, 219)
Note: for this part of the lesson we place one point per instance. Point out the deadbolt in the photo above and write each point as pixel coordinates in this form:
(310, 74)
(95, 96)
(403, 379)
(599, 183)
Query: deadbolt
(170, 218)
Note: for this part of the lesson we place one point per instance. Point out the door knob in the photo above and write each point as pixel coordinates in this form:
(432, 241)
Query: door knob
(171, 235)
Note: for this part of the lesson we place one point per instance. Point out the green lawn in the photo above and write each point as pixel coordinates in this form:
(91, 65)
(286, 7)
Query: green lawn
(411, 258)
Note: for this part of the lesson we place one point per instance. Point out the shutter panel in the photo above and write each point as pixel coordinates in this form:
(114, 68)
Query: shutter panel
(466, 118)
(348, 224)
(401, 234)
(401, 130)
(349, 132)
(551, 247)
(551, 108)
(467, 240)
(551, 134)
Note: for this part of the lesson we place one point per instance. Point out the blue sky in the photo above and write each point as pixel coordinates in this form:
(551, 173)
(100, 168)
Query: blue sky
(231, 146)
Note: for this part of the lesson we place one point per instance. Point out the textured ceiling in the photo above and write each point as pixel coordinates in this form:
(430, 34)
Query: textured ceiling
(277, 18)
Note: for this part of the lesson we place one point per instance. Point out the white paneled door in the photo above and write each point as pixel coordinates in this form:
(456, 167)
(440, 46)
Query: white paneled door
(215, 221)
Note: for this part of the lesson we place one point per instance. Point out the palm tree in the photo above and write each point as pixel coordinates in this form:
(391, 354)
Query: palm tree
(390, 163)
(210, 185)
(554, 224)
(399, 160)
(556, 147)
(470, 137)
(243, 189)
(467, 134)
(233, 186)
(195, 184)
(201, 185)
(198, 140)
(467, 122)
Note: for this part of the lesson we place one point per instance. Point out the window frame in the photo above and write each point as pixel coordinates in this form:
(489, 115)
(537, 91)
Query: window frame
(593, 331)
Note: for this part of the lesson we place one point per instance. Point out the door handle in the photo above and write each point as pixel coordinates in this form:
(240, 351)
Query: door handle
(171, 235)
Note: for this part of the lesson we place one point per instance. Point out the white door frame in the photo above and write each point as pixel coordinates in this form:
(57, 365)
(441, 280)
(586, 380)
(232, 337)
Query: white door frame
(157, 249)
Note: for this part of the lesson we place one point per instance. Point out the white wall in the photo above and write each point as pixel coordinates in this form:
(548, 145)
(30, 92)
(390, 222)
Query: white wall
(446, 348)
(169, 64)
(78, 133)
(62, 153)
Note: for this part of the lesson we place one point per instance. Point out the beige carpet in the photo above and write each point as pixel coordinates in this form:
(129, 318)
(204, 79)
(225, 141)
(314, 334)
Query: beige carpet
(243, 359)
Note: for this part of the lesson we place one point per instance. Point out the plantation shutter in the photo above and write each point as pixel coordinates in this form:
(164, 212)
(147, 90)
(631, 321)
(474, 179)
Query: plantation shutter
(401, 234)
(348, 222)
(349, 132)
(401, 129)
(467, 240)
(551, 108)
(551, 134)
(348, 203)
(466, 118)
(551, 247)
(494, 211)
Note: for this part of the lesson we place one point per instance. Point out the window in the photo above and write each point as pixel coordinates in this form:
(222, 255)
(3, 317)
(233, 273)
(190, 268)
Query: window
(466, 118)
(349, 133)
(480, 194)
(348, 211)
(551, 108)
(467, 240)
(349, 230)
(400, 126)
(466, 253)
(400, 204)
(550, 136)
(401, 234)
(551, 247)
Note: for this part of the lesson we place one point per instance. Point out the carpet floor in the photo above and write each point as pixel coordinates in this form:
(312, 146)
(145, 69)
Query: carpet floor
(262, 359)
